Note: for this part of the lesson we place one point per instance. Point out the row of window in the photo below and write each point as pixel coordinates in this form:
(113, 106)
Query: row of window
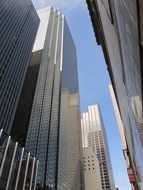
(85, 169)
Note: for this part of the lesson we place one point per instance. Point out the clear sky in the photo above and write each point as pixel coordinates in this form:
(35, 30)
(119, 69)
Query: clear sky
(93, 77)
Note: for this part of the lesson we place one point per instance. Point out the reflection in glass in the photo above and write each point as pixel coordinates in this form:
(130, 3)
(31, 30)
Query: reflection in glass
(17, 170)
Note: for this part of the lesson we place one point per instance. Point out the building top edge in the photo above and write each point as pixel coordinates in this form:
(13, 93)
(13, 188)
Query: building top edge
(44, 9)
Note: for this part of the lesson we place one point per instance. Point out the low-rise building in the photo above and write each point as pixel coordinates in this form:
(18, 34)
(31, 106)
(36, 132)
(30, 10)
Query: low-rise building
(91, 170)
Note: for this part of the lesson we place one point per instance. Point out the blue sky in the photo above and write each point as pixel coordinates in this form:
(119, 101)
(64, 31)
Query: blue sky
(93, 77)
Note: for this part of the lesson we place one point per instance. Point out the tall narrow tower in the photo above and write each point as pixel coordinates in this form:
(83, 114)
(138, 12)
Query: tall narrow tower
(18, 27)
(94, 135)
(54, 133)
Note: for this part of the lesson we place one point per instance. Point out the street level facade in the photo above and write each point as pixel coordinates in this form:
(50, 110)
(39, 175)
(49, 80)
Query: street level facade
(18, 168)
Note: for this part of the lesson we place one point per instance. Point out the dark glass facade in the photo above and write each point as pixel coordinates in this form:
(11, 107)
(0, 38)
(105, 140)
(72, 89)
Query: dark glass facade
(70, 174)
(23, 112)
(19, 24)
(54, 127)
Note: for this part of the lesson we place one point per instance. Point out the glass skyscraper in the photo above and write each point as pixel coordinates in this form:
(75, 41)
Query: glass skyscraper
(54, 133)
(94, 135)
(19, 23)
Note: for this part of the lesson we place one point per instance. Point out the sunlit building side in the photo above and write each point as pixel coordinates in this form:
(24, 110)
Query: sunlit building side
(94, 135)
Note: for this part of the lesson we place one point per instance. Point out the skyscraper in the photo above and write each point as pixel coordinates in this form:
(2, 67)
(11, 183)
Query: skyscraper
(54, 124)
(19, 24)
(94, 135)
(121, 37)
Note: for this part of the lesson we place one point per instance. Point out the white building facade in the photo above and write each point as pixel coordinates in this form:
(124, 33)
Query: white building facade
(94, 135)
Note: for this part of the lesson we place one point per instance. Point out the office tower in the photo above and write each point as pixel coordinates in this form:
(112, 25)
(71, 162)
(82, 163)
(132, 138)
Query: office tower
(19, 24)
(53, 135)
(92, 177)
(121, 38)
(94, 136)
(18, 168)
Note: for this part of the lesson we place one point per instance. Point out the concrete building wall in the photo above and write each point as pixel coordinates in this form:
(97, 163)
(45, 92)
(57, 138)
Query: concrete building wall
(118, 118)
(92, 176)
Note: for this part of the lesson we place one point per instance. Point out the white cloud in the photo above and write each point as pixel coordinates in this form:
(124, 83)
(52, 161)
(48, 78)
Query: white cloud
(62, 5)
